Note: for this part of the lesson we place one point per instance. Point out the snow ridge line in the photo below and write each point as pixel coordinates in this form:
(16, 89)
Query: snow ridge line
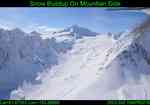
(121, 45)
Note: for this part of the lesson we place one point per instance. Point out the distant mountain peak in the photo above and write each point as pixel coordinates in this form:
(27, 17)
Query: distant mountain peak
(79, 31)
(35, 33)
(17, 30)
(75, 26)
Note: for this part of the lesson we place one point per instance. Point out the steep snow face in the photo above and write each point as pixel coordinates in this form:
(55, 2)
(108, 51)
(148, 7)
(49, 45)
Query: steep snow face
(136, 62)
(131, 67)
(81, 67)
(23, 55)
(126, 74)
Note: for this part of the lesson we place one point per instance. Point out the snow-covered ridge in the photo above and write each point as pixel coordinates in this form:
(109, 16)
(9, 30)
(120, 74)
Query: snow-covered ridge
(23, 55)
(73, 31)
(78, 31)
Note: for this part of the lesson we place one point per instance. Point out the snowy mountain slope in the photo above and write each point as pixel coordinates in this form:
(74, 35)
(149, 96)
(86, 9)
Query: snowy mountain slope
(79, 66)
(135, 60)
(24, 55)
(98, 68)
(129, 67)
(129, 71)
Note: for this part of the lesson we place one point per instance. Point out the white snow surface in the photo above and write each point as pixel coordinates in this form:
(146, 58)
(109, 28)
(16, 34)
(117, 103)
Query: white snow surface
(79, 70)
(76, 63)
(96, 68)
